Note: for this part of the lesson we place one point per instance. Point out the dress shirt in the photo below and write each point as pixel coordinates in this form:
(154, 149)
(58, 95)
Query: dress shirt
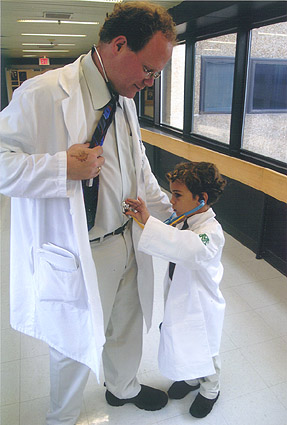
(117, 177)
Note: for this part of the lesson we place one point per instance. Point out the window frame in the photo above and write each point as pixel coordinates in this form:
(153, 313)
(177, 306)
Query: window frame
(239, 103)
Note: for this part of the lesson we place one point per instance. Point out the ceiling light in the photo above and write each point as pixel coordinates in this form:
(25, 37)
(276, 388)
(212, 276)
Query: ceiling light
(56, 35)
(45, 51)
(214, 50)
(29, 56)
(48, 44)
(59, 21)
(58, 15)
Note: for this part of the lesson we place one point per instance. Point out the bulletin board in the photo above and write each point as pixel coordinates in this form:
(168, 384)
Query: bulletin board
(16, 76)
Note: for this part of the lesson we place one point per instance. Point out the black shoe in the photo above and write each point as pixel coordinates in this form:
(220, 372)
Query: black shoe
(202, 406)
(180, 389)
(148, 399)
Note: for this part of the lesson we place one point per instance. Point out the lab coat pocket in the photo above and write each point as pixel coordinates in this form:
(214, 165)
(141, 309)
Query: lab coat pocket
(58, 274)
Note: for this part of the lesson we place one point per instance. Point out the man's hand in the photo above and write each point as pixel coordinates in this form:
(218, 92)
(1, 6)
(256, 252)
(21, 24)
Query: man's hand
(139, 210)
(84, 163)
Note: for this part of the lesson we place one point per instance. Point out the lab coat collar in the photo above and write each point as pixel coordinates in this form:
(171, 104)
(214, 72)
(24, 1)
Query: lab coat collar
(68, 75)
(196, 220)
(98, 89)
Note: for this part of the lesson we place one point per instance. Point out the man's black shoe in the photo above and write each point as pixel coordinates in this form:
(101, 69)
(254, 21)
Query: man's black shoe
(148, 399)
(202, 406)
(180, 389)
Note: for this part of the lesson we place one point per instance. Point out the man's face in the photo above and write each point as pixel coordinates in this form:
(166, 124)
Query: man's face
(128, 76)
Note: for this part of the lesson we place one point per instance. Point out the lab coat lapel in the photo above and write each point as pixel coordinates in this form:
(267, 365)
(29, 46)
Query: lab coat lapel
(73, 105)
(74, 116)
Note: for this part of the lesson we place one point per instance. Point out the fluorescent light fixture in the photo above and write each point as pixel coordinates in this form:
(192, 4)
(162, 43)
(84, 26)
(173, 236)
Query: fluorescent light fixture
(55, 35)
(59, 21)
(46, 51)
(181, 28)
(214, 50)
(48, 44)
(272, 33)
(29, 56)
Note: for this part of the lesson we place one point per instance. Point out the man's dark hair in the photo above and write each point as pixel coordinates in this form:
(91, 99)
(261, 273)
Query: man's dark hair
(199, 177)
(138, 22)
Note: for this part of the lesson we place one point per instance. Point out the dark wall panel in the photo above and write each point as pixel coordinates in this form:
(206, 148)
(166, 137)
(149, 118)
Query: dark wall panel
(275, 233)
(240, 211)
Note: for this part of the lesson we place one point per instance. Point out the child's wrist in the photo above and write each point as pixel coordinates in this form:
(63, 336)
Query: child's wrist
(145, 219)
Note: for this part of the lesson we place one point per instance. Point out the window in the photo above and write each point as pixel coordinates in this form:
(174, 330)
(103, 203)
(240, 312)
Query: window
(214, 70)
(259, 124)
(265, 123)
(267, 91)
(216, 84)
(268, 86)
(172, 89)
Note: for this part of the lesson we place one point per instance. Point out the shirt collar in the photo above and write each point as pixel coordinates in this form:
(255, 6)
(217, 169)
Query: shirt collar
(97, 86)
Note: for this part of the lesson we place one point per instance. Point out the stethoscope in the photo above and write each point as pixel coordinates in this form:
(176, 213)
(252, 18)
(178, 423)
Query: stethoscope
(112, 93)
(174, 219)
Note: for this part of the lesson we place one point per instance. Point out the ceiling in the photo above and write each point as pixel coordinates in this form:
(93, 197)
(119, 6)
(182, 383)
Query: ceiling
(210, 17)
(80, 10)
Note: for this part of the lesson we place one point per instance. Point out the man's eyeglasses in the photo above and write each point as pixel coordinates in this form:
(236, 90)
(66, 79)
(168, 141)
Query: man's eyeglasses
(150, 74)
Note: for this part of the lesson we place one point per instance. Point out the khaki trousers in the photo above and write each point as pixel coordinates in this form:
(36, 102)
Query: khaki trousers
(117, 276)
(209, 385)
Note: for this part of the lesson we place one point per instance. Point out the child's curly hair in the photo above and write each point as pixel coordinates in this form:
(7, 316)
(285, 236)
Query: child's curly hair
(199, 177)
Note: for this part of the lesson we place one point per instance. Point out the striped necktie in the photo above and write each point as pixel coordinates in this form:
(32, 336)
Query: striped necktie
(172, 265)
(91, 192)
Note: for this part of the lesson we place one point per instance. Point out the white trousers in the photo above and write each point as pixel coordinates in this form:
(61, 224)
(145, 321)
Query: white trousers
(209, 385)
(117, 276)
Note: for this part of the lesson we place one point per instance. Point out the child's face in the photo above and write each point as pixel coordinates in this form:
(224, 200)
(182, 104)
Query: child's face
(182, 199)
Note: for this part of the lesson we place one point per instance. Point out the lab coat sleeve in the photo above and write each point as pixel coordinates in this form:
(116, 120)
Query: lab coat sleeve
(183, 247)
(27, 167)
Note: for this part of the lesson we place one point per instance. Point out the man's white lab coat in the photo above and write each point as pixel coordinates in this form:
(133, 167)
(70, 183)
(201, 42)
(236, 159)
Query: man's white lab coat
(54, 289)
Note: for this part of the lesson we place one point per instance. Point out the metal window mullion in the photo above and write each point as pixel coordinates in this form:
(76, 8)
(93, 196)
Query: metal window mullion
(188, 87)
(157, 101)
(239, 90)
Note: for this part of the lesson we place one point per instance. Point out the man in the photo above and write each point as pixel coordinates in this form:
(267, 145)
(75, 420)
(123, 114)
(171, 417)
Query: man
(74, 289)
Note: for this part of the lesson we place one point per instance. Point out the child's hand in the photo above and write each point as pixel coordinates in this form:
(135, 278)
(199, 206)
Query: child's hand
(139, 210)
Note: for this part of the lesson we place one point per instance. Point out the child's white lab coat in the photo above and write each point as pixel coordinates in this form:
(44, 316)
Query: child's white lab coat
(194, 306)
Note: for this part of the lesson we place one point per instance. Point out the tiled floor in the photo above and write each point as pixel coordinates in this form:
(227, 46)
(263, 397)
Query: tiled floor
(254, 354)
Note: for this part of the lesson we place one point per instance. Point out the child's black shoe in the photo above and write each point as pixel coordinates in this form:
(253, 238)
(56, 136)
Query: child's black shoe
(202, 406)
(180, 389)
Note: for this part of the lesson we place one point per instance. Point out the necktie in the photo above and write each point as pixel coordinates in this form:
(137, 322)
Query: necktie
(91, 192)
(172, 265)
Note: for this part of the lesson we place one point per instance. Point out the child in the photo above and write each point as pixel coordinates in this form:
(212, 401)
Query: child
(194, 306)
